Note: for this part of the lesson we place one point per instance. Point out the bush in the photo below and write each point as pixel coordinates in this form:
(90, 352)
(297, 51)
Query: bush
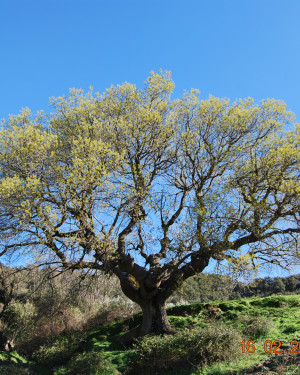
(255, 326)
(19, 318)
(12, 369)
(276, 301)
(88, 363)
(187, 349)
(18, 322)
(59, 351)
(291, 328)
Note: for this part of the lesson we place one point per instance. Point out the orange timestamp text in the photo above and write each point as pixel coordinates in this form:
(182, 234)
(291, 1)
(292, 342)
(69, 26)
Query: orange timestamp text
(271, 347)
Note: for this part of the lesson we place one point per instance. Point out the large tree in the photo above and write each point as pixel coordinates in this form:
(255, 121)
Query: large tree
(150, 189)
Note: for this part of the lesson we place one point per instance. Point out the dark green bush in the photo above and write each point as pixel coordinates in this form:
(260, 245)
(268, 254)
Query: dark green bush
(89, 363)
(238, 305)
(187, 349)
(14, 369)
(291, 328)
(276, 301)
(231, 315)
(59, 351)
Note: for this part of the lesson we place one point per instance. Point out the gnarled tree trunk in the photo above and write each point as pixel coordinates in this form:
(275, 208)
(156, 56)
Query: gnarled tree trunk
(153, 305)
(154, 321)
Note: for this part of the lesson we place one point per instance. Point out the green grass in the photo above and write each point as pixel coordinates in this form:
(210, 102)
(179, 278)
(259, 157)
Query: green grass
(14, 364)
(258, 319)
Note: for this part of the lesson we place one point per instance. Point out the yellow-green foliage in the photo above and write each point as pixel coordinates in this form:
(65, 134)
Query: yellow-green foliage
(71, 179)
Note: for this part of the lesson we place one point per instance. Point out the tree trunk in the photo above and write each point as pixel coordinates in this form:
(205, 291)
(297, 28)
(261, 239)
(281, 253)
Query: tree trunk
(150, 289)
(154, 321)
(5, 344)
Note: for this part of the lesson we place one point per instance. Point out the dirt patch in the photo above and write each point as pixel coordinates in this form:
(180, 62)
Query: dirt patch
(278, 363)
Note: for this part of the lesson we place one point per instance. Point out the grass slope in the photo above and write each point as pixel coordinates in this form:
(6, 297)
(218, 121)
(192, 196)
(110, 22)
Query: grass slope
(275, 318)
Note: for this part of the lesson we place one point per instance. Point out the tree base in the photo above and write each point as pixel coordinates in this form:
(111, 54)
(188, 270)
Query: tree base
(129, 337)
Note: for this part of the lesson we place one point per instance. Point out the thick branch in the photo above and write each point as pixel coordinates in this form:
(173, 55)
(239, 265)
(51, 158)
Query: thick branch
(251, 238)
(165, 226)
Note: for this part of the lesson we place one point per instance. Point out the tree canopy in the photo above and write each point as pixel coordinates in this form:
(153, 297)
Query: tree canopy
(150, 188)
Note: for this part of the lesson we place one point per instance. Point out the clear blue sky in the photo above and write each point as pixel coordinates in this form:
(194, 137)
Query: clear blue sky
(227, 48)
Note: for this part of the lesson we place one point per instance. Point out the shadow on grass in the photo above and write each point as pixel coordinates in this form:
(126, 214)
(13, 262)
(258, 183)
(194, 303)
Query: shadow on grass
(13, 359)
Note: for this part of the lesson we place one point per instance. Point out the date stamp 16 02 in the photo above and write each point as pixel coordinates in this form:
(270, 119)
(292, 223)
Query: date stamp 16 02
(271, 347)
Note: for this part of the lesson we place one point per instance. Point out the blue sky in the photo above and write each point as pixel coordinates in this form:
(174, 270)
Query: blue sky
(227, 48)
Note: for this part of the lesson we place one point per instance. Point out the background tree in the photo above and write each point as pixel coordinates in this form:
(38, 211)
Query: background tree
(151, 189)
(278, 285)
(292, 283)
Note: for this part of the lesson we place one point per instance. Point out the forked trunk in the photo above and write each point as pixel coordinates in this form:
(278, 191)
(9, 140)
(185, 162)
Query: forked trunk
(151, 295)
(154, 321)
(151, 288)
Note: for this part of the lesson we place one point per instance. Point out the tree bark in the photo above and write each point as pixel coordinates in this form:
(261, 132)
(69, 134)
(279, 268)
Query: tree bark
(6, 344)
(153, 305)
(150, 291)
(154, 321)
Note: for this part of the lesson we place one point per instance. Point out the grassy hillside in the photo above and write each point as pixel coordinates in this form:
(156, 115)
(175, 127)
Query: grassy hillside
(208, 342)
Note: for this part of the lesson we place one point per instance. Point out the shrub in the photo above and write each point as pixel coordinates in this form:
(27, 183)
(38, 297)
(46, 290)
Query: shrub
(276, 301)
(189, 348)
(17, 321)
(59, 351)
(19, 314)
(12, 369)
(89, 363)
(291, 328)
(255, 326)
(231, 315)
